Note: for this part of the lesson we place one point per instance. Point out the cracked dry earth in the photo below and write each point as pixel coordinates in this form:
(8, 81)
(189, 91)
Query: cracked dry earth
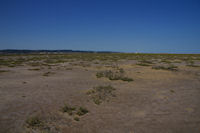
(157, 101)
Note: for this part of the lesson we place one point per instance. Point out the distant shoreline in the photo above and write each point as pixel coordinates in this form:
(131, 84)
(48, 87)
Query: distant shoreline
(27, 51)
(21, 51)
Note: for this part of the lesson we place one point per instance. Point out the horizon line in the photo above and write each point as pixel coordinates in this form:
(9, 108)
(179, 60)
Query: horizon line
(90, 51)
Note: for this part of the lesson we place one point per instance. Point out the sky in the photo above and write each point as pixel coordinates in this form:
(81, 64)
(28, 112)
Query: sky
(148, 26)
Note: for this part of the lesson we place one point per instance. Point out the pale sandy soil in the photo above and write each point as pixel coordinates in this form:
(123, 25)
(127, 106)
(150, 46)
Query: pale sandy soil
(157, 101)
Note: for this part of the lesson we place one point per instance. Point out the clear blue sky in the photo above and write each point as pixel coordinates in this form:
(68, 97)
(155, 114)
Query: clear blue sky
(112, 25)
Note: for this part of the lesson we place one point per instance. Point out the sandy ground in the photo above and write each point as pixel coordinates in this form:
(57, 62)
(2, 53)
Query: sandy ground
(157, 101)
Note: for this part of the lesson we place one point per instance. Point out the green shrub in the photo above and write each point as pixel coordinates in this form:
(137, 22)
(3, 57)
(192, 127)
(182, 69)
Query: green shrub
(82, 111)
(76, 118)
(68, 109)
(101, 93)
(34, 69)
(127, 79)
(34, 122)
(171, 68)
(117, 74)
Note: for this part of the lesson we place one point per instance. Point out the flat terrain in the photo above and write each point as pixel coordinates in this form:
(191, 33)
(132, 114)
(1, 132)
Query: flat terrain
(99, 93)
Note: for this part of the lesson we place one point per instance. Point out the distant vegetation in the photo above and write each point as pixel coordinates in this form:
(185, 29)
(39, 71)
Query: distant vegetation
(52, 58)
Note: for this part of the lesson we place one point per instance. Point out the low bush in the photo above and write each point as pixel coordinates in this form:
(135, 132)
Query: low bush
(170, 68)
(68, 109)
(34, 122)
(117, 74)
(101, 93)
(82, 111)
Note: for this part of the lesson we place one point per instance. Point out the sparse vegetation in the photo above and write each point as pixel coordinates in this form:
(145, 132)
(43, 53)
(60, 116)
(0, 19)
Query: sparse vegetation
(12, 60)
(172, 91)
(170, 68)
(35, 64)
(74, 112)
(68, 109)
(191, 63)
(165, 61)
(76, 118)
(126, 79)
(100, 94)
(43, 123)
(34, 69)
(145, 63)
(82, 111)
(2, 71)
(110, 66)
(47, 74)
(117, 74)
(34, 122)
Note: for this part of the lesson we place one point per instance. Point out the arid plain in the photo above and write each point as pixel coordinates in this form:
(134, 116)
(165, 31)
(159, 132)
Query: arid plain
(99, 93)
